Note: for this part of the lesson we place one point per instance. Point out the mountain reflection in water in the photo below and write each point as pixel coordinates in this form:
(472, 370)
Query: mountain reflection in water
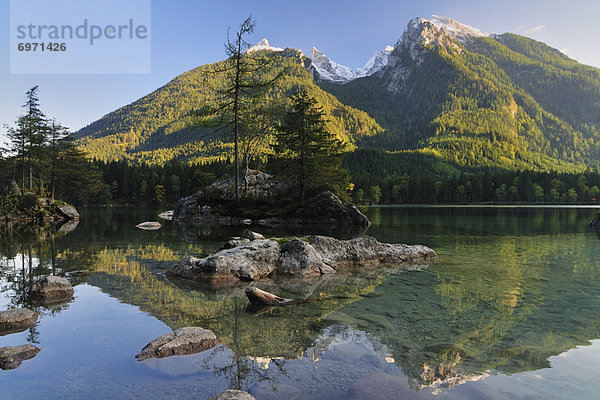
(512, 289)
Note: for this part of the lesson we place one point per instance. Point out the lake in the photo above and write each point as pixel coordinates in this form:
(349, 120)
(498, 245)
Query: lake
(510, 310)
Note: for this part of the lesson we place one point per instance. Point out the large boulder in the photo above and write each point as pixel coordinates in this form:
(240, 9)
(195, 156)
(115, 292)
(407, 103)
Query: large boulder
(16, 320)
(51, 288)
(232, 395)
(248, 262)
(12, 356)
(189, 340)
(366, 250)
(299, 258)
(327, 208)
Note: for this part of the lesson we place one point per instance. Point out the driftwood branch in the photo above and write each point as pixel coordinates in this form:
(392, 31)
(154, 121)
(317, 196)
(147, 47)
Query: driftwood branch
(257, 296)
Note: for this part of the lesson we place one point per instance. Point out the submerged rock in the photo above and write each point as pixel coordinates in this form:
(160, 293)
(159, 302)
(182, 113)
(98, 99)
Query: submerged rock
(149, 226)
(16, 320)
(183, 341)
(232, 395)
(51, 288)
(247, 262)
(12, 356)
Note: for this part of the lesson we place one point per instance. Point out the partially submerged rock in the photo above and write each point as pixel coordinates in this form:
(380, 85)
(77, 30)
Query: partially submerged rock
(257, 296)
(367, 250)
(16, 320)
(183, 341)
(69, 211)
(12, 356)
(51, 288)
(317, 255)
(232, 395)
(166, 215)
(149, 226)
(248, 262)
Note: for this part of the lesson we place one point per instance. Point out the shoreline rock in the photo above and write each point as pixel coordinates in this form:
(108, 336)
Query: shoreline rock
(51, 288)
(16, 320)
(184, 341)
(43, 211)
(315, 256)
(11, 357)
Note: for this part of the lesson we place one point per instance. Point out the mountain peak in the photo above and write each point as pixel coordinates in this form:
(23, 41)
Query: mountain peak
(457, 30)
(328, 69)
(263, 45)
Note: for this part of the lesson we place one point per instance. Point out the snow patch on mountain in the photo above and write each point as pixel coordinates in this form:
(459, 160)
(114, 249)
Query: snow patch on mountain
(263, 45)
(420, 32)
(413, 46)
(457, 30)
(376, 63)
(328, 69)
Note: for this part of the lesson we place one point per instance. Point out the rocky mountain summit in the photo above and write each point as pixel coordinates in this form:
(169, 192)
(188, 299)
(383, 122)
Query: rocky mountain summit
(419, 32)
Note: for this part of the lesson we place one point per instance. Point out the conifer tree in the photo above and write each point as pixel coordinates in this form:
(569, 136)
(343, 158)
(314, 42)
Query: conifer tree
(244, 85)
(311, 156)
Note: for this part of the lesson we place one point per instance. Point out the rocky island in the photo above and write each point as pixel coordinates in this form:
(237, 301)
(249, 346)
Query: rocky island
(267, 202)
(28, 208)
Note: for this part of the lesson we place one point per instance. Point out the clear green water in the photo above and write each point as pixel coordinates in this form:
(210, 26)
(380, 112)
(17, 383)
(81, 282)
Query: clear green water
(511, 310)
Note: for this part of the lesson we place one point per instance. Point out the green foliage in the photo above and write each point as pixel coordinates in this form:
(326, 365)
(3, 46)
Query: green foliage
(311, 156)
(507, 102)
(176, 120)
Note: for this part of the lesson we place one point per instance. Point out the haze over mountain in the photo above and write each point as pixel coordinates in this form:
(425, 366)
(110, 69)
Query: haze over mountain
(445, 90)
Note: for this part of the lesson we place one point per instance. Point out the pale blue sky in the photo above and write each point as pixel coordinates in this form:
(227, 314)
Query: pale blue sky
(188, 33)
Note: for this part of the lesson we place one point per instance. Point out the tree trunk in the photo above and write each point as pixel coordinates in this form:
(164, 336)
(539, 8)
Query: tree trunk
(30, 173)
(236, 116)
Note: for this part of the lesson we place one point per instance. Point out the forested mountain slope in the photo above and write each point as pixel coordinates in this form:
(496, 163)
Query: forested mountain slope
(168, 123)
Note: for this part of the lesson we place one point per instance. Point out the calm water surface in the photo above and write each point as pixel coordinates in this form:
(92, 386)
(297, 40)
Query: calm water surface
(511, 310)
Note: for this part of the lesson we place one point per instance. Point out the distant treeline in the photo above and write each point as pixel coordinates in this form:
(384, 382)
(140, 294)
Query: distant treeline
(152, 185)
(125, 183)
